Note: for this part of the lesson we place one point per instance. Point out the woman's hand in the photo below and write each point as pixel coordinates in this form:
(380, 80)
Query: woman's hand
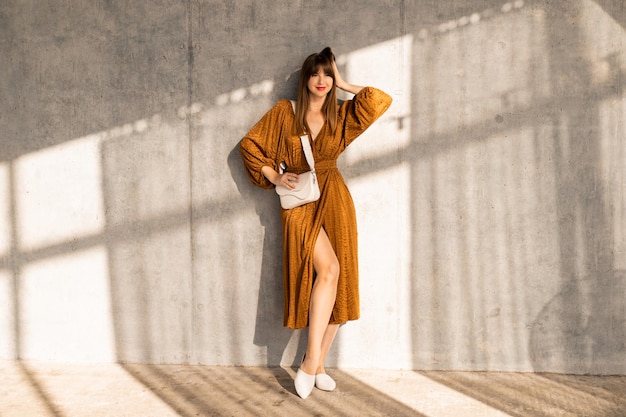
(287, 179)
(341, 83)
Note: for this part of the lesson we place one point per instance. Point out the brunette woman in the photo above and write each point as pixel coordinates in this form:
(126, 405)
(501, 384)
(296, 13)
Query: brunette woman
(320, 264)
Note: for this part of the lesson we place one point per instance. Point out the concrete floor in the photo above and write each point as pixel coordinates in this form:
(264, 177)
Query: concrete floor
(69, 390)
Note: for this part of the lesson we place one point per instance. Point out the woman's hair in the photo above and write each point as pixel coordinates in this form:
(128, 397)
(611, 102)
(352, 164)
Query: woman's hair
(313, 63)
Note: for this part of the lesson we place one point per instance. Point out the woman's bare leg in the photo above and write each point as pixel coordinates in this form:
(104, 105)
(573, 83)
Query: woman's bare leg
(322, 302)
(327, 341)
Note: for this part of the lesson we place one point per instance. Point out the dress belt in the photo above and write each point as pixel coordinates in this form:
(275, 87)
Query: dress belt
(325, 165)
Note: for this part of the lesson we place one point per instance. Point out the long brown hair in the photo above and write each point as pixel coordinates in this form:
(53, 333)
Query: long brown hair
(313, 63)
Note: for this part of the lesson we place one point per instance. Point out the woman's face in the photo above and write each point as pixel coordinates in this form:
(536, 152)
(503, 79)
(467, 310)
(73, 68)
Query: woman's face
(320, 83)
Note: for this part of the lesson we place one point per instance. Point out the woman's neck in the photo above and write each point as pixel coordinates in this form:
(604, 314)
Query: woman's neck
(316, 103)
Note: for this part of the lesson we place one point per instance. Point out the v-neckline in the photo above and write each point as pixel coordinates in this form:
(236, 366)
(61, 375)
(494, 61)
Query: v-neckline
(310, 133)
(318, 133)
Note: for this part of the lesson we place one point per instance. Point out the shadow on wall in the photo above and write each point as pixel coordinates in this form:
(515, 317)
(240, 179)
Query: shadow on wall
(268, 331)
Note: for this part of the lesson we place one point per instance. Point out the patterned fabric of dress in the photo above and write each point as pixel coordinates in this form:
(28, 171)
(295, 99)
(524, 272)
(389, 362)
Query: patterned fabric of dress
(334, 211)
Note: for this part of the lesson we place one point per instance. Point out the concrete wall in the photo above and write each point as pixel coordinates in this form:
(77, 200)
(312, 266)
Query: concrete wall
(490, 197)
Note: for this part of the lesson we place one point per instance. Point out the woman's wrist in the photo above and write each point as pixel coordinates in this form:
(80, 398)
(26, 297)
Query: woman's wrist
(270, 174)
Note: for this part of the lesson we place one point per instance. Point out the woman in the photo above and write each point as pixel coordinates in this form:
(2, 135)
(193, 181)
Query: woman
(320, 266)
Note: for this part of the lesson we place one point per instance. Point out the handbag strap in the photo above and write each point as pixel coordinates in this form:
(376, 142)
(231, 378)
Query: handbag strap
(308, 153)
(306, 147)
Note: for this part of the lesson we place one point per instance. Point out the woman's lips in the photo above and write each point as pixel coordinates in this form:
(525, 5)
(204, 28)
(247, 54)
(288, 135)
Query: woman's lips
(321, 88)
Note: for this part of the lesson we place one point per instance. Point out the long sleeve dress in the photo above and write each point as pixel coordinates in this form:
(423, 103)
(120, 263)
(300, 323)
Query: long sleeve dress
(334, 211)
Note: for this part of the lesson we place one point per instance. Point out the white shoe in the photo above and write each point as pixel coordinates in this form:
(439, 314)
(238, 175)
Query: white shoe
(325, 382)
(304, 383)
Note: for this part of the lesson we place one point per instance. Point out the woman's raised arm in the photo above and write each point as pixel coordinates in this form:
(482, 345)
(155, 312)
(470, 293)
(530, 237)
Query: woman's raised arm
(342, 84)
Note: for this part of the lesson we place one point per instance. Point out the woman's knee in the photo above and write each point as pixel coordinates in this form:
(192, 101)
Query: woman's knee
(329, 273)
(325, 260)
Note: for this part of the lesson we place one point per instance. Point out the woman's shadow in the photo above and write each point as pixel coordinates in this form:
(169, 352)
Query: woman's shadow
(269, 330)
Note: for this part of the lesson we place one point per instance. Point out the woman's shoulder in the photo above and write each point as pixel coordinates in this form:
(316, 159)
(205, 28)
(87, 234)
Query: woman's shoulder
(283, 103)
(279, 108)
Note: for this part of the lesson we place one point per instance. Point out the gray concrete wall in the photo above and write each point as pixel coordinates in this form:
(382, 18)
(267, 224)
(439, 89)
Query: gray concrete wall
(490, 197)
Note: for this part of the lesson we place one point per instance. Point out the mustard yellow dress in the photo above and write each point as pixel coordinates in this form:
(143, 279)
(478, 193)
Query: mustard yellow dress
(334, 211)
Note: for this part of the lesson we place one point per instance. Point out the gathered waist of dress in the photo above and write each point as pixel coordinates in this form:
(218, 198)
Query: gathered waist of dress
(319, 166)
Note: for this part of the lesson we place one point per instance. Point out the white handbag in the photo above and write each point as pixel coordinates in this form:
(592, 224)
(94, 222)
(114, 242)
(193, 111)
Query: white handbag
(307, 189)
